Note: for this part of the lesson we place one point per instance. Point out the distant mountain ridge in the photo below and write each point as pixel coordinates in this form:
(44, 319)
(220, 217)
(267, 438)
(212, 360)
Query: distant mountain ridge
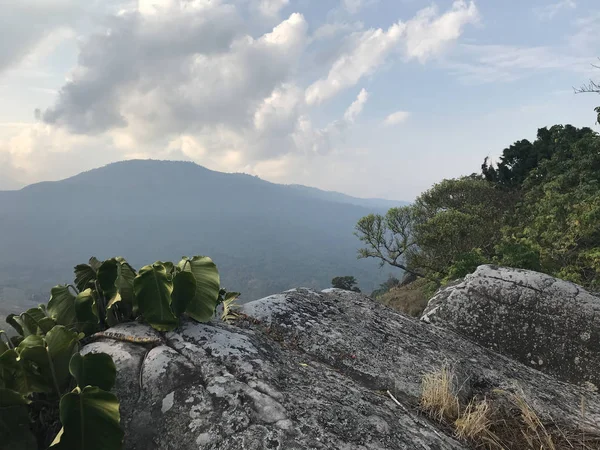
(264, 237)
(344, 198)
(321, 194)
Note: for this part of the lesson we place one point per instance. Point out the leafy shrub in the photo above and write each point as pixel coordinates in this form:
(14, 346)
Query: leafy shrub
(42, 373)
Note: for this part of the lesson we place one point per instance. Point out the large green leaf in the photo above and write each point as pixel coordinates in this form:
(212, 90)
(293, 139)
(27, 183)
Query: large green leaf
(37, 321)
(124, 283)
(115, 277)
(15, 321)
(46, 360)
(61, 306)
(15, 427)
(12, 373)
(153, 288)
(95, 263)
(36, 364)
(32, 321)
(84, 276)
(86, 311)
(93, 369)
(184, 290)
(61, 345)
(90, 420)
(4, 342)
(107, 277)
(202, 307)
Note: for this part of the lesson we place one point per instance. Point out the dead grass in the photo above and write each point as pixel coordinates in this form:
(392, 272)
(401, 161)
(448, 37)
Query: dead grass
(437, 395)
(475, 422)
(410, 299)
(502, 421)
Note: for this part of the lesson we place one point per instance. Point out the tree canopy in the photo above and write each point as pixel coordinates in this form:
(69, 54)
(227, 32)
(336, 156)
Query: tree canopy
(347, 283)
(538, 208)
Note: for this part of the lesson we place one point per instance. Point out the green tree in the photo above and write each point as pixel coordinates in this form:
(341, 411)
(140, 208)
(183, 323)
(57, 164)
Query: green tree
(389, 238)
(522, 157)
(458, 222)
(347, 283)
(559, 215)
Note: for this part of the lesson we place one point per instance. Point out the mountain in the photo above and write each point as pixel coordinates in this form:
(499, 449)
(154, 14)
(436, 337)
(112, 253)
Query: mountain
(264, 237)
(343, 198)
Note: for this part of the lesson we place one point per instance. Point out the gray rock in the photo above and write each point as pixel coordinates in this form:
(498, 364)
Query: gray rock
(310, 370)
(541, 321)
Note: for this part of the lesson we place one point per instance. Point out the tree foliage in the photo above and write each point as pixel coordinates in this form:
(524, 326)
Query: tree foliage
(559, 215)
(538, 209)
(522, 157)
(388, 237)
(458, 223)
(347, 283)
(41, 369)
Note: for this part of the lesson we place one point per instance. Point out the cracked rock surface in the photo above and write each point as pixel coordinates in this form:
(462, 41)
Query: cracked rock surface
(546, 323)
(310, 370)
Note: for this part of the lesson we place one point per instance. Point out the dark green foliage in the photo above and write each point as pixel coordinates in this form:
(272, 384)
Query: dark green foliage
(518, 160)
(45, 366)
(184, 290)
(347, 283)
(207, 286)
(457, 223)
(90, 418)
(538, 209)
(93, 369)
(558, 217)
(153, 288)
(14, 422)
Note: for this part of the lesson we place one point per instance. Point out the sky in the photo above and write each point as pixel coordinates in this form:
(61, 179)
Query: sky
(373, 98)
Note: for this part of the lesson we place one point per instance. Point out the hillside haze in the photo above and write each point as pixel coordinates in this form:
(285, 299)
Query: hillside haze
(264, 237)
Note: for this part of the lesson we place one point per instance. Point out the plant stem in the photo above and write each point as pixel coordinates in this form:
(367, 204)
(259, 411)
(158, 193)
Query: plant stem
(53, 372)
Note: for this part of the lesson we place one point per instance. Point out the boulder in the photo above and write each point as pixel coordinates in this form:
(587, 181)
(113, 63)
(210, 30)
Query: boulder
(541, 321)
(309, 370)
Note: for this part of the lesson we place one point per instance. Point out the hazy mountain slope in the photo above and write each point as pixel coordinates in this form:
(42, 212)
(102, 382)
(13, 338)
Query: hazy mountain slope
(264, 237)
(343, 198)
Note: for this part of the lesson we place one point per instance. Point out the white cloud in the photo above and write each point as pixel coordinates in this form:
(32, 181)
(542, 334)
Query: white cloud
(26, 23)
(429, 33)
(313, 140)
(352, 6)
(548, 12)
(396, 118)
(505, 63)
(422, 37)
(176, 72)
(204, 80)
(356, 107)
(272, 7)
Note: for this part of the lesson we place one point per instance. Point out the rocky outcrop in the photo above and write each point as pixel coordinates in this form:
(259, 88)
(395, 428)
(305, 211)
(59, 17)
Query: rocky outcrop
(309, 370)
(546, 323)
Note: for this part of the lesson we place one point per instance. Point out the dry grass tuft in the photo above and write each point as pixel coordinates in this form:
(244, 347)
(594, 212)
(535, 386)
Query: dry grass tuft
(474, 424)
(497, 424)
(438, 397)
(534, 432)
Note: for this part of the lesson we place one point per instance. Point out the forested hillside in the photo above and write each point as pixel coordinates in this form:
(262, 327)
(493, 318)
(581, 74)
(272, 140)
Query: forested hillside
(264, 237)
(537, 207)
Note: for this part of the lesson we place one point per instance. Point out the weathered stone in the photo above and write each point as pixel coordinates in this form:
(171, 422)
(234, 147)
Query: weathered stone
(541, 321)
(310, 370)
